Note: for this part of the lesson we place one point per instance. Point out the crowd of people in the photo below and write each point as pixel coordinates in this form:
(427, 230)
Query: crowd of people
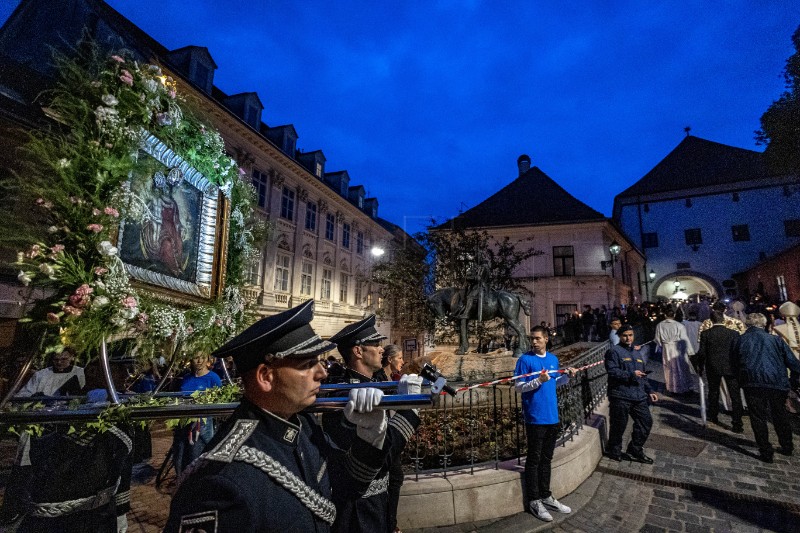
(342, 471)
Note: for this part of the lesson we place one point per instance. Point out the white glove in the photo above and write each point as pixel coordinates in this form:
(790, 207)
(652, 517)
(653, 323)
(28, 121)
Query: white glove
(410, 384)
(370, 422)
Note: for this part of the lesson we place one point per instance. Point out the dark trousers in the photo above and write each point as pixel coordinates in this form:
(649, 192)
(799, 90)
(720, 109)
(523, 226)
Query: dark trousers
(396, 477)
(619, 411)
(762, 403)
(541, 443)
(713, 397)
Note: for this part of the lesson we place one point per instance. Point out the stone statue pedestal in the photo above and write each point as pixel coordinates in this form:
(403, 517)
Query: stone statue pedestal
(472, 367)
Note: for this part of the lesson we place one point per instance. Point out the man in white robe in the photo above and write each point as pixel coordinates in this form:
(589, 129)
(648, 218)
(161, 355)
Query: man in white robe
(62, 378)
(675, 351)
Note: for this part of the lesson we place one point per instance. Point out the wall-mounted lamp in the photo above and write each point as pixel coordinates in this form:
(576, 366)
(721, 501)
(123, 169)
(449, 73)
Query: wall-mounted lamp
(652, 274)
(377, 251)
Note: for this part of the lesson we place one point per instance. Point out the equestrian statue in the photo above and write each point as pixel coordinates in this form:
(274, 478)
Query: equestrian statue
(478, 302)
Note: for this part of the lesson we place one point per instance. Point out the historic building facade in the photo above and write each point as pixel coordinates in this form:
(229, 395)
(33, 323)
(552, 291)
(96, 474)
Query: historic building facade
(574, 265)
(706, 212)
(321, 227)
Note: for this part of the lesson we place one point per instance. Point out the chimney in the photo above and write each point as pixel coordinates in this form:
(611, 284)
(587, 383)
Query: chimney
(524, 164)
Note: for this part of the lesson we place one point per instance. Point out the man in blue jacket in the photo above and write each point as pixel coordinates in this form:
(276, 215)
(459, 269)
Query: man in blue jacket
(763, 360)
(628, 393)
(540, 408)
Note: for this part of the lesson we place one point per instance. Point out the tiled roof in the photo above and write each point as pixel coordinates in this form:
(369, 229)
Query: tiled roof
(531, 199)
(696, 162)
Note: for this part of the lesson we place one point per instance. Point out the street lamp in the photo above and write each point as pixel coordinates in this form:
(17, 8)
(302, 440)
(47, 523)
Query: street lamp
(615, 248)
(652, 275)
(377, 251)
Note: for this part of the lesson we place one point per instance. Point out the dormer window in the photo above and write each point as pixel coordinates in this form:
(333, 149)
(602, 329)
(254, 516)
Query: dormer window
(318, 169)
(195, 63)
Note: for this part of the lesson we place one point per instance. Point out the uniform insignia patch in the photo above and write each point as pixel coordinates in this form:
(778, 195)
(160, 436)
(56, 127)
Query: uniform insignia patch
(205, 522)
(355, 380)
(290, 434)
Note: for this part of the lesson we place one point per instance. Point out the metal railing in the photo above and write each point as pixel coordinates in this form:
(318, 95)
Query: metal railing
(485, 426)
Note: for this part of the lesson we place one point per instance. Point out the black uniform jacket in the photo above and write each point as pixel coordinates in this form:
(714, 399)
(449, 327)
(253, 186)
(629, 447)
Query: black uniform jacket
(369, 513)
(263, 473)
(621, 363)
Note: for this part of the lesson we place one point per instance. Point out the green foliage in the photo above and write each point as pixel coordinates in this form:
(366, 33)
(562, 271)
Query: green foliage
(780, 124)
(78, 185)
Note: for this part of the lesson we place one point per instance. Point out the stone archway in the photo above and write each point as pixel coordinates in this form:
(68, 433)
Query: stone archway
(690, 285)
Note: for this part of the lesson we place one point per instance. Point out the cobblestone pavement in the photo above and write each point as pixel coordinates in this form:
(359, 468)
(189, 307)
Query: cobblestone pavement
(708, 480)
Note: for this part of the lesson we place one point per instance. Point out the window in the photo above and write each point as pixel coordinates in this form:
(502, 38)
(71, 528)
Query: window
(330, 224)
(359, 295)
(254, 271)
(563, 261)
(306, 276)
(287, 204)
(741, 232)
(327, 277)
(344, 281)
(346, 235)
(792, 227)
(311, 216)
(360, 242)
(693, 236)
(650, 240)
(282, 273)
(318, 170)
(260, 185)
(783, 295)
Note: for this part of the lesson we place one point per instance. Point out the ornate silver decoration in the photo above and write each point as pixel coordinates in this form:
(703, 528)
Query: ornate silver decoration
(377, 486)
(314, 501)
(226, 450)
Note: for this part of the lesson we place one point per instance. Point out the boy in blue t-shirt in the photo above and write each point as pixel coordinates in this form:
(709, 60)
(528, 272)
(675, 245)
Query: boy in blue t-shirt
(540, 408)
(189, 441)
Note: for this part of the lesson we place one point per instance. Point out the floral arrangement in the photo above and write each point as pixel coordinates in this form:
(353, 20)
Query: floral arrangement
(78, 190)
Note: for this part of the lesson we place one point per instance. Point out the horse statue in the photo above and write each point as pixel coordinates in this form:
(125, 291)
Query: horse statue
(447, 302)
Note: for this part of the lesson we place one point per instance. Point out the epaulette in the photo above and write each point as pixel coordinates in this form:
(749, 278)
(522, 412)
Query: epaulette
(226, 449)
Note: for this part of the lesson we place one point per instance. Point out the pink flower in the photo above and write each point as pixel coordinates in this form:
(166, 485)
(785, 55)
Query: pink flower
(34, 251)
(143, 317)
(117, 58)
(95, 211)
(111, 212)
(53, 318)
(78, 301)
(84, 290)
(99, 271)
(242, 173)
(57, 248)
(126, 78)
(172, 93)
(97, 228)
(72, 310)
(129, 302)
(39, 201)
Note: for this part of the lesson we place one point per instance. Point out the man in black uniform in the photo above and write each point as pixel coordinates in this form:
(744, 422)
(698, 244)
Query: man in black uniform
(360, 346)
(628, 393)
(271, 467)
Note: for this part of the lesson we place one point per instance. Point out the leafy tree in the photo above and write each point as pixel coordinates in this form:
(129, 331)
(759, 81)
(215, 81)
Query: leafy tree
(780, 124)
(441, 258)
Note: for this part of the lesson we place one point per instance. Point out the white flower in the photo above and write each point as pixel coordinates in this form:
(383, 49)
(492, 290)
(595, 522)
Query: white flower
(63, 162)
(23, 278)
(100, 301)
(151, 85)
(129, 313)
(52, 229)
(20, 257)
(46, 269)
(110, 100)
(106, 248)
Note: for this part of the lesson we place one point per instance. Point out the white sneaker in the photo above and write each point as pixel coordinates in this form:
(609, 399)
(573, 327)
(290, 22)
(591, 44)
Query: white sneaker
(557, 505)
(538, 510)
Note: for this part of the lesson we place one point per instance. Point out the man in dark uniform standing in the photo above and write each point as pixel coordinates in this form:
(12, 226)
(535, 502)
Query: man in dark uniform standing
(360, 346)
(271, 467)
(628, 393)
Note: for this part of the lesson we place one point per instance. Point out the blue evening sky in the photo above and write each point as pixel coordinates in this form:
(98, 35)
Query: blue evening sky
(429, 104)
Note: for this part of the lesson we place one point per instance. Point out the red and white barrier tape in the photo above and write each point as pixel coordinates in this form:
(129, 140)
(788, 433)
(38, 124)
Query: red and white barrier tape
(514, 378)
